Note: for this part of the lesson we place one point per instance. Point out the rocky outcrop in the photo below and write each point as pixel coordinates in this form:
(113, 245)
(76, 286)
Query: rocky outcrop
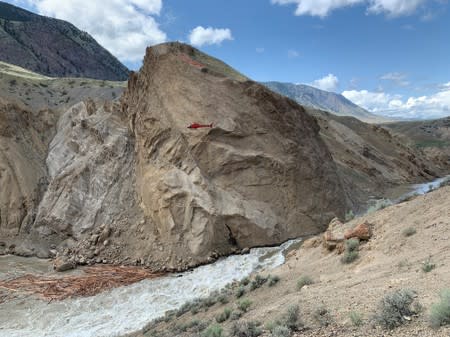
(337, 232)
(259, 176)
(334, 235)
(361, 231)
(24, 136)
(91, 173)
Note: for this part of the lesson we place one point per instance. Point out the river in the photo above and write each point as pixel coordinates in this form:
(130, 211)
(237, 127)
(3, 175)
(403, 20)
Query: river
(126, 309)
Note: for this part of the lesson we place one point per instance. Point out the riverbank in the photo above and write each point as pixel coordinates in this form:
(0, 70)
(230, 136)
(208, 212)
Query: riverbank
(409, 249)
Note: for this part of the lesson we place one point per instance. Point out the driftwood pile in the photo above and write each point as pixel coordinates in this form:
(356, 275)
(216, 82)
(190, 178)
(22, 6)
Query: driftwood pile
(94, 280)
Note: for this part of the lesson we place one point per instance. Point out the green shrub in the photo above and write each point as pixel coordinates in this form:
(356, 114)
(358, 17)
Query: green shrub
(356, 318)
(410, 231)
(273, 280)
(222, 317)
(197, 325)
(214, 330)
(235, 315)
(352, 244)
(271, 325)
(244, 281)
(428, 266)
(209, 301)
(223, 299)
(258, 282)
(351, 251)
(291, 318)
(348, 257)
(185, 308)
(281, 331)
(322, 316)
(240, 292)
(245, 329)
(303, 281)
(244, 305)
(394, 309)
(195, 310)
(440, 312)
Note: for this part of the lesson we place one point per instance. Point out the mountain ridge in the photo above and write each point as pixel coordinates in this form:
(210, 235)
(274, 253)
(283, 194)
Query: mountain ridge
(54, 47)
(323, 100)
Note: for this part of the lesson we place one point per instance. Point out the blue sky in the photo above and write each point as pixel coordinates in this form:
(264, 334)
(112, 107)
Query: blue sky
(390, 56)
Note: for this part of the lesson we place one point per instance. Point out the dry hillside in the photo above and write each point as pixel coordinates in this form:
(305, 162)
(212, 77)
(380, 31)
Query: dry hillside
(372, 160)
(54, 47)
(406, 238)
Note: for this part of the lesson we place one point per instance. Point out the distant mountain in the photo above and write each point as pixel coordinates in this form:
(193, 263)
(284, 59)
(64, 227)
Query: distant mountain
(323, 100)
(53, 47)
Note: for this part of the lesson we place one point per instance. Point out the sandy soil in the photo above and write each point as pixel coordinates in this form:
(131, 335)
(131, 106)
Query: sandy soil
(388, 262)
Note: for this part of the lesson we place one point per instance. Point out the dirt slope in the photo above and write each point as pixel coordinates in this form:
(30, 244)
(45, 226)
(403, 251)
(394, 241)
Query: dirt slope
(372, 160)
(432, 136)
(388, 262)
(34, 91)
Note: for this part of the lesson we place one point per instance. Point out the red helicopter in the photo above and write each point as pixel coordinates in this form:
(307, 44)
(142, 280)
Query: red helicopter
(198, 126)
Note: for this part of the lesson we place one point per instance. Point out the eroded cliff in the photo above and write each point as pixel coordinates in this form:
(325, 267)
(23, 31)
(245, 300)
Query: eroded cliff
(259, 176)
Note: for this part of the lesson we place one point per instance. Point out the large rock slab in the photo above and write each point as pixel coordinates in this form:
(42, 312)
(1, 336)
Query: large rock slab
(259, 176)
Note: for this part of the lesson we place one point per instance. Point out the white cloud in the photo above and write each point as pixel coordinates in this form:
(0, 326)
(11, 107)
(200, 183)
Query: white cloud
(292, 54)
(394, 7)
(322, 8)
(317, 8)
(124, 27)
(327, 83)
(373, 101)
(397, 78)
(433, 106)
(200, 36)
(260, 50)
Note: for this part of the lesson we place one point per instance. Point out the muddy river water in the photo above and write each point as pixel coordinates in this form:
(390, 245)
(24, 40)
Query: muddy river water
(125, 309)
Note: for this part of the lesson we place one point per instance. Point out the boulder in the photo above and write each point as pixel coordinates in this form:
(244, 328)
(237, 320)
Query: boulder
(361, 232)
(334, 235)
(61, 264)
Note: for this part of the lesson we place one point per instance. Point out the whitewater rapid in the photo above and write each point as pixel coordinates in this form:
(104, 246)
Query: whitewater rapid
(127, 309)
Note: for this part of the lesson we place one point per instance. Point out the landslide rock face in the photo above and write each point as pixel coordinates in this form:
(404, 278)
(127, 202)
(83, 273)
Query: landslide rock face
(24, 136)
(91, 173)
(260, 176)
